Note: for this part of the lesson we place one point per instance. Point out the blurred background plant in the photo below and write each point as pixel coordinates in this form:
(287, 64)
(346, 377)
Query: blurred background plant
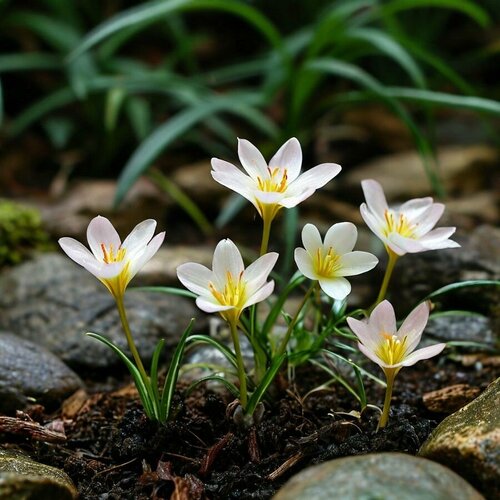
(107, 88)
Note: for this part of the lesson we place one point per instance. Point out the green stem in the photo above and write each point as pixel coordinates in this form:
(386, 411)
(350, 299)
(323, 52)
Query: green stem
(241, 366)
(130, 340)
(266, 231)
(393, 257)
(292, 324)
(390, 376)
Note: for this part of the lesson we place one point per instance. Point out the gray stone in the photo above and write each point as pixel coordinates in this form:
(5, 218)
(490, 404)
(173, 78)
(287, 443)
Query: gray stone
(53, 302)
(21, 478)
(387, 476)
(461, 328)
(30, 371)
(468, 441)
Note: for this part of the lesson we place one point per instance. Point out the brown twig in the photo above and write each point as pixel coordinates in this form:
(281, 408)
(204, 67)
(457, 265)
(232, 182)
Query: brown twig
(30, 429)
(212, 453)
(285, 466)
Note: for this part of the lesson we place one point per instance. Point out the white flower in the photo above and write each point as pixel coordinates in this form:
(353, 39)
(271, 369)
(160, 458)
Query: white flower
(228, 288)
(381, 341)
(329, 261)
(271, 187)
(408, 229)
(111, 261)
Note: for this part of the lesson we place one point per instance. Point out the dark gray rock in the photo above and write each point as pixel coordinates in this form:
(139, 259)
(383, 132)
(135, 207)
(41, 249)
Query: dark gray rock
(388, 476)
(21, 478)
(53, 302)
(30, 371)
(461, 328)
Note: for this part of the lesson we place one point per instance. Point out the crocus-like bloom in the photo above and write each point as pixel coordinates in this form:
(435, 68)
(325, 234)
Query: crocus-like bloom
(228, 288)
(381, 341)
(114, 263)
(329, 261)
(271, 187)
(409, 228)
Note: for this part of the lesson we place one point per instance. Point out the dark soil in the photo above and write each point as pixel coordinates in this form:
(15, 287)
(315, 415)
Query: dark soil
(114, 452)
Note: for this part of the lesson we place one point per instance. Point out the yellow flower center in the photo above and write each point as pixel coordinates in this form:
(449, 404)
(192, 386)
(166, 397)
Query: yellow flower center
(326, 263)
(391, 350)
(399, 224)
(233, 293)
(274, 184)
(110, 256)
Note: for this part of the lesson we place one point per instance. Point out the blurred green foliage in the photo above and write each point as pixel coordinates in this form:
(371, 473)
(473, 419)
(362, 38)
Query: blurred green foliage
(123, 84)
(21, 232)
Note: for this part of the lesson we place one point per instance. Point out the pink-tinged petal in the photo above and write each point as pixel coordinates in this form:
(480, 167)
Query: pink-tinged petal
(293, 201)
(374, 196)
(304, 264)
(311, 239)
(195, 277)
(429, 219)
(341, 237)
(260, 295)
(373, 222)
(437, 237)
(252, 160)
(139, 237)
(414, 325)
(354, 263)
(314, 178)
(227, 259)
(256, 274)
(211, 306)
(371, 355)
(414, 209)
(289, 156)
(383, 319)
(147, 254)
(363, 332)
(100, 231)
(228, 175)
(424, 353)
(408, 245)
(336, 288)
(76, 251)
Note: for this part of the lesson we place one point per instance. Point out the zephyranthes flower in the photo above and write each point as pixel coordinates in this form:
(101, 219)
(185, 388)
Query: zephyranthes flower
(330, 261)
(228, 288)
(392, 349)
(111, 261)
(407, 229)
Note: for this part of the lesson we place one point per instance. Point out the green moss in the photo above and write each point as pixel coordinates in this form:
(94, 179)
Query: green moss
(21, 232)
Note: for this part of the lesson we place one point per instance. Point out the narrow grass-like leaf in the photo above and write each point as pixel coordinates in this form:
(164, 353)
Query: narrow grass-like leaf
(232, 207)
(153, 373)
(214, 378)
(205, 339)
(169, 290)
(114, 101)
(341, 380)
(461, 284)
(30, 61)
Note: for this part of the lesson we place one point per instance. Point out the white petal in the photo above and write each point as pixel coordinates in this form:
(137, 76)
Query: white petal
(437, 236)
(211, 306)
(293, 201)
(383, 319)
(405, 244)
(414, 325)
(425, 353)
(363, 332)
(195, 277)
(257, 273)
(341, 237)
(252, 160)
(371, 355)
(101, 232)
(228, 175)
(337, 288)
(289, 156)
(311, 239)
(374, 196)
(314, 178)
(354, 263)
(260, 295)
(76, 251)
(227, 258)
(268, 197)
(304, 264)
(140, 236)
(372, 222)
(413, 209)
(428, 220)
(147, 254)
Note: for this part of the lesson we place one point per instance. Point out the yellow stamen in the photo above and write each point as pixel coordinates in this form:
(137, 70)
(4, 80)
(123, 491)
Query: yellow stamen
(109, 255)
(391, 349)
(400, 225)
(326, 264)
(233, 293)
(274, 184)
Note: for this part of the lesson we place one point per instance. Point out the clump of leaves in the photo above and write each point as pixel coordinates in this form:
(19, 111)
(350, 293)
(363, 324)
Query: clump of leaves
(21, 232)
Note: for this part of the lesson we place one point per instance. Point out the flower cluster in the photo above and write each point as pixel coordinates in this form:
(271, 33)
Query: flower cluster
(230, 288)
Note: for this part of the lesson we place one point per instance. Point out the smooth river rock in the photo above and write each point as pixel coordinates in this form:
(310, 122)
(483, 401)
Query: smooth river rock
(30, 371)
(21, 478)
(468, 442)
(53, 302)
(387, 476)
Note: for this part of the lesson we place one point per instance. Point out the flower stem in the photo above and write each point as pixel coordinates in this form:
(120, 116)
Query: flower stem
(390, 375)
(130, 340)
(292, 324)
(240, 364)
(393, 257)
(266, 231)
